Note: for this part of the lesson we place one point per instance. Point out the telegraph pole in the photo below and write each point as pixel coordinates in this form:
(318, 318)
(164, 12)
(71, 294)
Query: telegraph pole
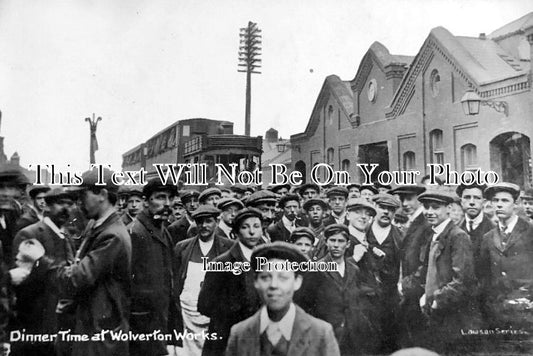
(249, 52)
(93, 145)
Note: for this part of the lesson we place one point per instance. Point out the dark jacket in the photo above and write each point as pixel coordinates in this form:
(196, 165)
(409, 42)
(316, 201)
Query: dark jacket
(310, 337)
(507, 274)
(178, 230)
(345, 303)
(182, 253)
(227, 298)
(476, 237)
(331, 220)
(278, 231)
(100, 284)
(152, 301)
(8, 234)
(27, 218)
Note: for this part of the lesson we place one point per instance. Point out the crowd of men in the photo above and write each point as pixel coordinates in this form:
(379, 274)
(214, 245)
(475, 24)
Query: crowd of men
(416, 266)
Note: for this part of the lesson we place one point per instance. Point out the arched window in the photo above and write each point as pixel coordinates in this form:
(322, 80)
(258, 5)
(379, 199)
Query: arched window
(409, 162)
(330, 153)
(469, 157)
(330, 115)
(345, 165)
(434, 81)
(435, 142)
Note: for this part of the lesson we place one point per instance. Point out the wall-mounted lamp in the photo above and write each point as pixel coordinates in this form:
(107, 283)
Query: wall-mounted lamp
(471, 102)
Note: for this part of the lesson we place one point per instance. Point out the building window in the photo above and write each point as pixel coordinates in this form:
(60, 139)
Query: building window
(435, 141)
(329, 154)
(345, 165)
(469, 157)
(330, 115)
(372, 90)
(409, 162)
(434, 81)
(186, 130)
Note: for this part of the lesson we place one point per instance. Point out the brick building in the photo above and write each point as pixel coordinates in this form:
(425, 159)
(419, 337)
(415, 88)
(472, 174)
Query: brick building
(407, 112)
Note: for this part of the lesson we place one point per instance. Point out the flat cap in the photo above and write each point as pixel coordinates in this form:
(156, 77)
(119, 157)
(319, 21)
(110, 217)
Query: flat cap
(245, 214)
(277, 250)
(369, 187)
(387, 200)
(302, 232)
(527, 194)
(315, 201)
(286, 198)
(262, 196)
(275, 188)
(353, 185)
(138, 190)
(356, 203)
(205, 211)
(37, 189)
(408, 190)
(225, 202)
(91, 177)
(187, 195)
(334, 229)
(206, 193)
(239, 188)
(337, 191)
(306, 186)
(155, 185)
(438, 196)
(461, 188)
(511, 188)
(177, 202)
(10, 173)
(57, 193)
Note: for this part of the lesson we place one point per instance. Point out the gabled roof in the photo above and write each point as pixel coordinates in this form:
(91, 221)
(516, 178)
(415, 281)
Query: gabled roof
(380, 55)
(516, 27)
(342, 93)
(478, 61)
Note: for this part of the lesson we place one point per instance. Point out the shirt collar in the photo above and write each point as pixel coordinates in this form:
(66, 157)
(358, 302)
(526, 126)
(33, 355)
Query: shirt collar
(53, 226)
(285, 324)
(510, 226)
(380, 233)
(440, 227)
(103, 218)
(476, 221)
(416, 213)
(340, 217)
(359, 235)
(224, 227)
(287, 223)
(247, 252)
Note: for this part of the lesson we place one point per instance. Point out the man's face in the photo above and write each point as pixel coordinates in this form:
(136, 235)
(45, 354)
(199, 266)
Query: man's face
(178, 210)
(229, 213)
(504, 205)
(472, 202)
(291, 209)
(309, 193)
(91, 203)
(409, 203)
(304, 245)
(360, 218)
(59, 211)
(337, 245)
(269, 211)
(316, 214)
(277, 288)
(367, 194)
(354, 192)
(206, 227)
(122, 201)
(250, 232)
(237, 194)
(527, 204)
(39, 202)
(436, 212)
(191, 205)
(456, 213)
(134, 205)
(384, 214)
(212, 200)
(337, 203)
(282, 191)
(158, 204)
(8, 192)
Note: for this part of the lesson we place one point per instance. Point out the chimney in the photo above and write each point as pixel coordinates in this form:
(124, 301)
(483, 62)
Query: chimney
(482, 36)
(15, 159)
(271, 135)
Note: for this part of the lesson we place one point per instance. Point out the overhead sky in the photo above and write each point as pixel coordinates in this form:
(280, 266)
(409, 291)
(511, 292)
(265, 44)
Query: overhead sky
(143, 64)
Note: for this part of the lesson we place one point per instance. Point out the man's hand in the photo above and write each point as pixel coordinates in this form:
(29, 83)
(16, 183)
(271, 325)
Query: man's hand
(30, 251)
(358, 252)
(18, 275)
(378, 252)
(422, 301)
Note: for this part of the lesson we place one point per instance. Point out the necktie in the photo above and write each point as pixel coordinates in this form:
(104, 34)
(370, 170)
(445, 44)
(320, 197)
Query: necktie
(470, 225)
(431, 276)
(273, 333)
(505, 234)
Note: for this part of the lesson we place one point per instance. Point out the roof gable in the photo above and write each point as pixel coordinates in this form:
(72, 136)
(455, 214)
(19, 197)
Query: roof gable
(518, 26)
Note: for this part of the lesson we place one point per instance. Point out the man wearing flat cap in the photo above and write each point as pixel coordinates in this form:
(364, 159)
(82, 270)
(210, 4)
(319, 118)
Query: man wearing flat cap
(447, 279)
(341, 296)
(506, 266)
(134, 203)
(229, 297)
(181, 229)
(360, 215)
(290, 206)
(190, 272)
(210, 196)
(265, 201)
(368, 192)
(309, 191)
(337, 197)
(36, 299)
(303, 238)
(99, 281)
(354, 190)
(229, 208)
(280, 327)
(414, 239)
(316, 211)
(526, 199)
(281, 189)
(35, 209)
(152, 298)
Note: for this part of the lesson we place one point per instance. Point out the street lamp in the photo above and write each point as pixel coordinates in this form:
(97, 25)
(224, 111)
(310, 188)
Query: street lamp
(471, 102)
